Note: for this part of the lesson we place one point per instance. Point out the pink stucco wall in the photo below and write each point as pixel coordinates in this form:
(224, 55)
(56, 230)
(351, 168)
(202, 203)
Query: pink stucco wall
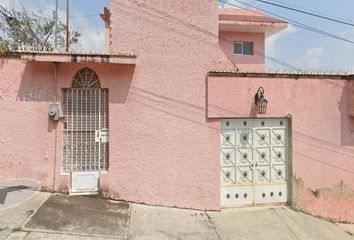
(27, 137)
(162, 147)
(255, 62)
(152, 159)
(30, 144)
(165, 151)
(164, 135)
(350, 99)
(322, 133)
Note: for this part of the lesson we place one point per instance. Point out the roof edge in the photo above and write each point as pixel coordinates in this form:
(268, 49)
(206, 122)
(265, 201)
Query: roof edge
(19, 53)
(76, 54)
(69, 57)
(10, 55)
(297, 75)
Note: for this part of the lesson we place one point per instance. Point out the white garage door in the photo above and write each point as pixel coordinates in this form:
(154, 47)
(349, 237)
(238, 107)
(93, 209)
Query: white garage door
(254, 161)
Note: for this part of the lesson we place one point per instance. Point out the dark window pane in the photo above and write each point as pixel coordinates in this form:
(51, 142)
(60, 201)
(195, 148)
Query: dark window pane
(238, 48)
(247, 48)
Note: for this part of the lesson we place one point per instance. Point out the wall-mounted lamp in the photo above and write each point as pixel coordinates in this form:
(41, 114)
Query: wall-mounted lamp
(260, 102)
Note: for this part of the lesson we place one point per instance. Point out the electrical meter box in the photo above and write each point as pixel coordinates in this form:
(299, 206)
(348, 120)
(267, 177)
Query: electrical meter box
(54, 112)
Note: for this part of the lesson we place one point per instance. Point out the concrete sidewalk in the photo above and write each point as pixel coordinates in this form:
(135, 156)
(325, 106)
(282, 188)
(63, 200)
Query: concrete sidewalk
(55, 216)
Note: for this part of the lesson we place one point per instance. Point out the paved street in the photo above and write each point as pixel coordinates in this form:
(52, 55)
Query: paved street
(56, 216)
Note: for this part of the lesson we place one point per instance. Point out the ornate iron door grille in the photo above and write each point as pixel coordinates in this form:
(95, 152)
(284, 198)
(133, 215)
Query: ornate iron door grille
(85, 109)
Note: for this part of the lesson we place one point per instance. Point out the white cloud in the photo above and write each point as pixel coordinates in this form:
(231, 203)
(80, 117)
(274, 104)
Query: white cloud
(233, 4)
(92, 35)
(225, 4)
(92, 30)
(339, 54)
(248, 3)
(271, 42)
(328, 54)
(34, 5)
(4, 3)
(313, 58)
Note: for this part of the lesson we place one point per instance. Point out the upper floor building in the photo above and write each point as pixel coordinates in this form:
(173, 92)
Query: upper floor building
(241, 34)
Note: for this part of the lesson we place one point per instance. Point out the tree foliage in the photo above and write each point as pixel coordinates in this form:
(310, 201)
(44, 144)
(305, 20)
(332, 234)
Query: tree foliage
(21, 27)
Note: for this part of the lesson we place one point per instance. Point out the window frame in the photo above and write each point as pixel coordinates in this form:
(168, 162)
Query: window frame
(243, 48)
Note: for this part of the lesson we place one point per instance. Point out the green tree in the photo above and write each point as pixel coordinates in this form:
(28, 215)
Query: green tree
(22, 27)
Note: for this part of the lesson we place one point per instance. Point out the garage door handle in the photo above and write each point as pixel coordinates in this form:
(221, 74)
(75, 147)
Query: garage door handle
(253, 165)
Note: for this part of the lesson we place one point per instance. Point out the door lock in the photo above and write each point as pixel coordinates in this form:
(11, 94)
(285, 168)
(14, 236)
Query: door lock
(254, 165)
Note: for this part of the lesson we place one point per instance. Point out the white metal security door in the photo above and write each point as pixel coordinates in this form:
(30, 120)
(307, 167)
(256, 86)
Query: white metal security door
(85, 108)
(254, 161)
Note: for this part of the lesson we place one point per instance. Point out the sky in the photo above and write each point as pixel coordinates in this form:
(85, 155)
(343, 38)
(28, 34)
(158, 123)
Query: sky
(84, 17)
(308, 50)
(295, 46)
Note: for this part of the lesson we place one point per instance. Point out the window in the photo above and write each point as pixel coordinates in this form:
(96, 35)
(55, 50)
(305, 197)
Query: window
(243, 48)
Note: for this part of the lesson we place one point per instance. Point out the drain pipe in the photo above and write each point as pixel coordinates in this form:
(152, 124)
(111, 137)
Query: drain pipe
(55, 85)
(55, 82)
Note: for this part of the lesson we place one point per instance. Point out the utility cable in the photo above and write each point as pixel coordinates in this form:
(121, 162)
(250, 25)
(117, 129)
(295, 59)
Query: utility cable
(311, 10)
(293, 22)
(307, 13)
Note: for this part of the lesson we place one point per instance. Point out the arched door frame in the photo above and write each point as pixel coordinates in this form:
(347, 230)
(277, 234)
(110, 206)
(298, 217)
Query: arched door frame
(85, 107)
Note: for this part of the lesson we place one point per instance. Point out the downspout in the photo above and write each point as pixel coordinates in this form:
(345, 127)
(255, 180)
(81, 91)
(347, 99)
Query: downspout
(55, 85)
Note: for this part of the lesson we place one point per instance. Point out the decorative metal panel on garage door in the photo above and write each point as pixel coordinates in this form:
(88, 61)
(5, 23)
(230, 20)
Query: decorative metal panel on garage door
(254, 161)
(85, 108)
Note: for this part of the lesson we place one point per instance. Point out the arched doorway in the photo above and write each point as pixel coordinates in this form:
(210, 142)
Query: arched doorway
(85, 107)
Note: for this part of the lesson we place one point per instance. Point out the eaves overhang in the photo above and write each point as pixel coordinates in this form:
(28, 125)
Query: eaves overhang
(34, 56)
(269, 29)
(232, 20)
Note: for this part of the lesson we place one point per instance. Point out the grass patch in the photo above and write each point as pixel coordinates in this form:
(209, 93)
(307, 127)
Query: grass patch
(296, 209)
(17, 229)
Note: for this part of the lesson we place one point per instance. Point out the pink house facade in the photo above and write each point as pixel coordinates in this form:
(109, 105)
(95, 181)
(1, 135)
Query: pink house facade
(168, 117)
